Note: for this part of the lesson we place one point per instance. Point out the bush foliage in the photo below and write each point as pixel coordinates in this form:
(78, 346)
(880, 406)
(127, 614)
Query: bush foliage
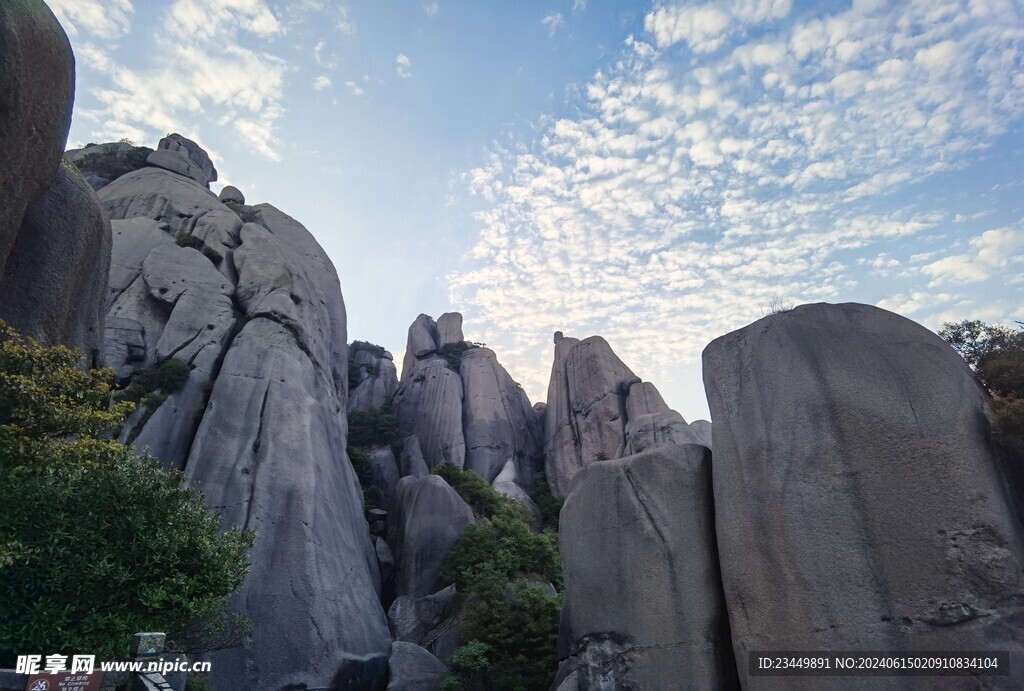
(511, 630)
(97, 542)
(113, 165)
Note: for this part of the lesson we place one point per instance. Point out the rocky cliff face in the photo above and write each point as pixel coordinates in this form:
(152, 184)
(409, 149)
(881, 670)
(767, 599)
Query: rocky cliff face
(54, 241)
(255, 310)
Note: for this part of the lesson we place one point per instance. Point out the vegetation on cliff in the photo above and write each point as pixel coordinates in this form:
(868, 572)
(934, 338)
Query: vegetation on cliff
(510, 633)
(98, 542)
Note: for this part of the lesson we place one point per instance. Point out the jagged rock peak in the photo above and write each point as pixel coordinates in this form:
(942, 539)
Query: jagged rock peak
(597, 409)
(185, 157)
(230, 193)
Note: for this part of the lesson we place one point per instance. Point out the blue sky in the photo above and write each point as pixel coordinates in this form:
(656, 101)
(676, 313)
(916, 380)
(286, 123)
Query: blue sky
(656, 173)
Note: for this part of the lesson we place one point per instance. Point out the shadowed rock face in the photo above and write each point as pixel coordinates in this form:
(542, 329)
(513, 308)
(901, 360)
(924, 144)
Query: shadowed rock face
(260, 425)
(429, 405)
(183, 156)
(858, 505)
(34, 122)
(378, 381)
(643, 599)
(430, 517)
(54, 241)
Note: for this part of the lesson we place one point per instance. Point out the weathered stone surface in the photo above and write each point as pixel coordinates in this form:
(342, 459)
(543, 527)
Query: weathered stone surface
(124, 346)
(702, 428)
(34, 121)
(429, 405)
(378, 381)
(272, 438)
(411, 668)
(422, 341)
(651, 423)
(449, 329)
(584, 420)
(386, 563)
(77, 156)
(430, 517)
(230, 193)
(184, 157)
(133, 240)
(159, 195)
(497, 419)
(54, 281)
(169, 430)
(384, 469)
(413, 464)
(643, 600)
(858, 505)
(411, 618)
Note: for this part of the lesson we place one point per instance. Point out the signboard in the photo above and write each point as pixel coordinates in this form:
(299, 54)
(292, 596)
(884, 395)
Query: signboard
(65, 681)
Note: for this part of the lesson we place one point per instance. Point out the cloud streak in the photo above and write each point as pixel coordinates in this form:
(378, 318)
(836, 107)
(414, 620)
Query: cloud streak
(710, 171)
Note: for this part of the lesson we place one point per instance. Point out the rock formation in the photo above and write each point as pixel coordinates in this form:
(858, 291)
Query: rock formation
(183, 156)
(857, 502)
(597, 409)
(373, 378)
(255, 310)
(54, 241)
(643, 598)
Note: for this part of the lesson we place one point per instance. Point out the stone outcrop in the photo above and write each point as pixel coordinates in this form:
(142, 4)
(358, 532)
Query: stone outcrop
(429, 518)
(411, 668)
(375, 378)
(184, 157)
(597, 409)
(449, 329)
(858, 504)
(643, 599)
(54, 241)
(255, 310)
(429, 405)
(230, 193)
(498, 422)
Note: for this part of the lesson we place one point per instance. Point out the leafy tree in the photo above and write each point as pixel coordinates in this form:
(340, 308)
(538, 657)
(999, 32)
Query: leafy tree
(372, 428)
(549, 505)
(96, 541)
(996, 353)
(511, 627)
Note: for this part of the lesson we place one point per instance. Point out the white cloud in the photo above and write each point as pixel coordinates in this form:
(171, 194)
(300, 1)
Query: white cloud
(553, 22)
(402, 66)
(693, 186)
(345, 25)
(579, 5)
(322, 82)
(227, 83)
(431, 8)
(354, 88)
(108, 19)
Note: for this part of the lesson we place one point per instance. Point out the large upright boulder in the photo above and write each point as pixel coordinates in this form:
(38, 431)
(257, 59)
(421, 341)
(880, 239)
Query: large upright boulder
(857, 501)
(422, 341)
(449, 329)
(498, 422)
(54, 283)
(429, 405)
(651, 423)
(37, 89)
(643, 599)
(584, 420)
(376, 380)
(430, 517)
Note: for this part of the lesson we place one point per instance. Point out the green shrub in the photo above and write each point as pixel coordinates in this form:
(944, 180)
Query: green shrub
(187, 240)
(166, 378)
(511, 628)
(113, 165)
(364, 472)
(452, 353)
(212, 254)
(97, 542)
(549, 505)
(377, 350)
(372, 428)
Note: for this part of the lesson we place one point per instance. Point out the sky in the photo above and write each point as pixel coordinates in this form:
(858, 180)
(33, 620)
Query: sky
(655, 173)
